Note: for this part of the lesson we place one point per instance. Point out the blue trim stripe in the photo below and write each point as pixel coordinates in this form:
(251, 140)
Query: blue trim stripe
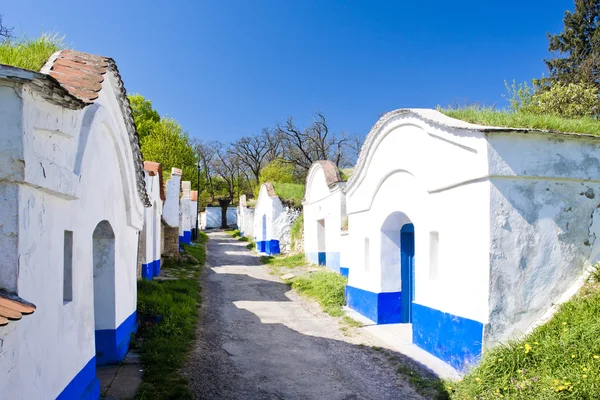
(148, 271)
(453, 339)
(270, 247)
(112, 344)
(84, 386)
(344, 272)
(383, 308)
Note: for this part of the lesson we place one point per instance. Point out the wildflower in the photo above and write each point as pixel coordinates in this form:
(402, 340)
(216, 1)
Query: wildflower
(596, 357)
(536, 342)
(584, 376)
(565, 330)
(499, 360)
(505, 388)
(477, 379)
(584, 368)
(564, 323)
(573, 356)
(527, 348)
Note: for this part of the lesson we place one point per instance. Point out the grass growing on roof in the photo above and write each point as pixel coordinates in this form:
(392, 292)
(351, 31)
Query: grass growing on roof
(503, 118)
(558, 360)
(167, 316)
(30, 54)
(290, 192)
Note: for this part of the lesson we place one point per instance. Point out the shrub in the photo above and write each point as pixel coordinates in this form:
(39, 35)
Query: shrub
(572, 100)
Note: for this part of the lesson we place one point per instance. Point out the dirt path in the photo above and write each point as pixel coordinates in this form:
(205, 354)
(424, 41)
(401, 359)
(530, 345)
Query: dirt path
(257, 339)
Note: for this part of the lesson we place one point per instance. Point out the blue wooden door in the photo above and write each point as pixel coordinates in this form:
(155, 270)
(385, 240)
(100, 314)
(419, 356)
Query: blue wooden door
(407, 265)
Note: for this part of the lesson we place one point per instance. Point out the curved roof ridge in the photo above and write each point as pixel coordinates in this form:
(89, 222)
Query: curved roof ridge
(427, 115)
(82, 75)
(270, 189)
(330, 170)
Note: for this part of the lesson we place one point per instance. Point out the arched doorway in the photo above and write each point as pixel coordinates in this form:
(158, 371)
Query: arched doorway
(103, 256)
(397, 263)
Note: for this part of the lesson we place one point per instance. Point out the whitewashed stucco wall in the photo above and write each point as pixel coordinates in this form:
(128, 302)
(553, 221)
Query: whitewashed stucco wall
(326, 206)
(212, 217)
(151, 252)
(172, 193)
(272, 223)
(514, 215)
(74, 169)
(545, 222)
(245, 218)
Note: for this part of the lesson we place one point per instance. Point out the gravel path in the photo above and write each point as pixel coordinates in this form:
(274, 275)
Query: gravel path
(257, 339)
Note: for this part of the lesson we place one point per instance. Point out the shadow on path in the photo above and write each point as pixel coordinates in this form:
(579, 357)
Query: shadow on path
(254, 342)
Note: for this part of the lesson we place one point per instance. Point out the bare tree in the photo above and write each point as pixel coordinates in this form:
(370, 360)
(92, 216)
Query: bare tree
(253, 151)
(226, 164)
(5, 32)
(206, 155)
(302, 147)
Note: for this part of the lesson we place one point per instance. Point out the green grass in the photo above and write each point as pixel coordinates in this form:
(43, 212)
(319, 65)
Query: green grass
(502, 118)
(296, 260)
(296, 230)
(291, 193)
(327, 288)
(167, 315)
(234, 233)
(29, 54)
(558, 360)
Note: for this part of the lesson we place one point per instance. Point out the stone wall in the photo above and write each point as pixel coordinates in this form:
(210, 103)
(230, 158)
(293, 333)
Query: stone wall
(171, 238)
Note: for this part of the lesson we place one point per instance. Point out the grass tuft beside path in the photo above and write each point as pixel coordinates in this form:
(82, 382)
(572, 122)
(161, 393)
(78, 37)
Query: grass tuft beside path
(558, 360)
(326, 287)
(501, 118)
(168, 314)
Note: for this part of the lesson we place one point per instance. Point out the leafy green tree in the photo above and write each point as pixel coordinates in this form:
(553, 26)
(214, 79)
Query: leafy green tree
(169, 145)
(277, 171)
(577, 48)
(146, 118)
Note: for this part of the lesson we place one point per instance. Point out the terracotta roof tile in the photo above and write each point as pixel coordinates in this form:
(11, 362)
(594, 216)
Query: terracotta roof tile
(12, 308)
(80, 73)
(82, 76)
(156, 168)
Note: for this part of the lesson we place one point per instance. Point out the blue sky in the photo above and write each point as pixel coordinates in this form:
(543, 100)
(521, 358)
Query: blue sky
(225, 69)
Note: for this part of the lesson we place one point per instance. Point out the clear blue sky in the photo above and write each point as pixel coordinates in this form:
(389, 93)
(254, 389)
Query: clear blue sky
(228, 68)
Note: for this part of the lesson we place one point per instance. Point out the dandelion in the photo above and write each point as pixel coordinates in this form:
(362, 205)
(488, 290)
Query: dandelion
(584, 368)
(584, 376)
(596, 357)
(564, 323)
(527, 348)
(499, 360)
(573, 355)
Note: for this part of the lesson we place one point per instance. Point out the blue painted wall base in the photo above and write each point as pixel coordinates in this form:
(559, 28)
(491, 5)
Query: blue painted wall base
(382, 308)
(112, 344)
(453, 339)
(330, 259)
(84, 385)
(151, 270)
(271, 247)
(185, 239)
(148, 271)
